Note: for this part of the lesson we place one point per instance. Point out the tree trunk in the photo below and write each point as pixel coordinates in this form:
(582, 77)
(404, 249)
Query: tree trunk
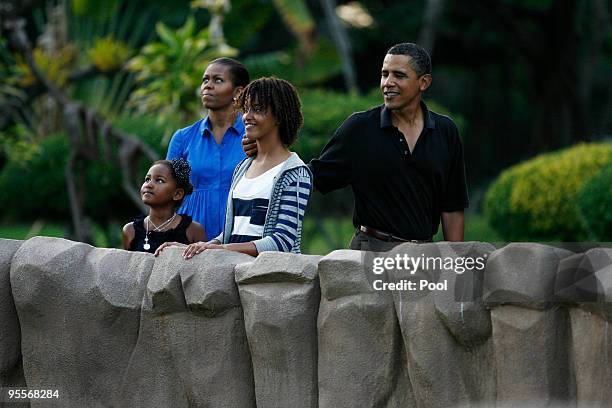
(431, 16)
(343, 45)
(559, 99)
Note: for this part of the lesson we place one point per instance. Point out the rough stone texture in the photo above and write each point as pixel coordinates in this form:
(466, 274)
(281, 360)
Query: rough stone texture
(591, 355)
(11, 369)
(571, 273)
(441, 366)
(192, 348)
(531, 355)
(523, 274)
(530, 332)
(361, 357)
(592, 281)
(280, 296)
(583, 279)
(461, 307)
(591, 346)
(115, 328)
(79, 310)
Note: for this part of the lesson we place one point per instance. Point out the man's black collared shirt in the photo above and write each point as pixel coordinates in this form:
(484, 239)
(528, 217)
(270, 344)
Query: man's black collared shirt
(396, 191)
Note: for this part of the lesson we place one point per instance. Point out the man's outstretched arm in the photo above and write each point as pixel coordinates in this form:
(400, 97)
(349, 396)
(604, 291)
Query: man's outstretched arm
(452, 225)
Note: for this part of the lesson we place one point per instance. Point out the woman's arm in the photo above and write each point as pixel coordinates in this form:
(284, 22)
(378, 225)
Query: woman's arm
(199, 247)
(248, 248)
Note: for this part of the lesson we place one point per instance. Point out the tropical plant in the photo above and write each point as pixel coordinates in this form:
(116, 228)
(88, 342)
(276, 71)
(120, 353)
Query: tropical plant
(9, 86)
(322, 64)
(109, 33)
(108, 54)
(55, 64)
(298, 20)
(169, 73)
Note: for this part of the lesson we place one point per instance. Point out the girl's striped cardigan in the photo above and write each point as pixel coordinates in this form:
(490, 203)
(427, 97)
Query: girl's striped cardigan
(290, 194)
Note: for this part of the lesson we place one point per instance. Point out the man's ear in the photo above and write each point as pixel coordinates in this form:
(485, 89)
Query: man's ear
(425, 81)
(179, 193)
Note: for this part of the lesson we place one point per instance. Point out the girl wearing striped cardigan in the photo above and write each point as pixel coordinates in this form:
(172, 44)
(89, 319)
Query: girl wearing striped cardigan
(270, 191)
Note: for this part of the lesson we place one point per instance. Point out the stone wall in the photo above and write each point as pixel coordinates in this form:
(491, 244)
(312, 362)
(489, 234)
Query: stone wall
(107, 327)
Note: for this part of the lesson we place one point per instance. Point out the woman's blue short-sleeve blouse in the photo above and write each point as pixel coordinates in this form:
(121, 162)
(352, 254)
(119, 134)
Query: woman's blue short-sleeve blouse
(212, 166)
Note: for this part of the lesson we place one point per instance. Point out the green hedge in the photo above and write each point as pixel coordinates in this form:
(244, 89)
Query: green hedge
(324, 112)
(538, 199)
(35, 187)
(595, 203)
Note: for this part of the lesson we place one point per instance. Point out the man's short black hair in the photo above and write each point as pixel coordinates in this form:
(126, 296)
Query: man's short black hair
(279, 98)
(238, 72)
(419, 58)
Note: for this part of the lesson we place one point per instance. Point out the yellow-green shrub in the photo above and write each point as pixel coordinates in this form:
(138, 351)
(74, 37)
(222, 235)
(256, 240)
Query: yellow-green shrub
(537, 199)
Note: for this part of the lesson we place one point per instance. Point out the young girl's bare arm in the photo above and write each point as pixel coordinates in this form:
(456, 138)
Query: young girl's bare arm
(128, 234)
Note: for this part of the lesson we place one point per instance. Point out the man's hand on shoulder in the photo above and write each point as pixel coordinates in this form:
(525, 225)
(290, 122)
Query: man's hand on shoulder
(249, 146)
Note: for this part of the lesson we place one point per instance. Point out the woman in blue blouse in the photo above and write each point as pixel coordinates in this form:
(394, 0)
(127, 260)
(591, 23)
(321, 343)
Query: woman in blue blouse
(213, 145)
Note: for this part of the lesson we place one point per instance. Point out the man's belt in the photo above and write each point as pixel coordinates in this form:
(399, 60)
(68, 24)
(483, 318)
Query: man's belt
(385, 236)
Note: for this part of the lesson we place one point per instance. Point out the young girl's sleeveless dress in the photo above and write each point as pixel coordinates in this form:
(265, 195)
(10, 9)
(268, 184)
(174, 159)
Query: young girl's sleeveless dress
(177, 234)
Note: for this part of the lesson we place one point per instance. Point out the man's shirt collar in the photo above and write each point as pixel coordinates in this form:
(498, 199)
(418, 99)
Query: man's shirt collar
(385, 117)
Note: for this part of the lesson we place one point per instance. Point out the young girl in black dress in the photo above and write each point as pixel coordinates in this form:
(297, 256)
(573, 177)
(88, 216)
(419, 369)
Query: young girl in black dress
(165, 186)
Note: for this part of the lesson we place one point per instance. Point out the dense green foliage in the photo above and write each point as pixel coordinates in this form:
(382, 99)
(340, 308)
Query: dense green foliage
(26, 184)
(28, 181)
(322, 65)
(323, 112)
(595, 203)
(538, 199)
(43, 175)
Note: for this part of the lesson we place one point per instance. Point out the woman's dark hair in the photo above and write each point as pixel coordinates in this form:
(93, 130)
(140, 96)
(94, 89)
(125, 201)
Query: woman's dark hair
(181, 171)
(279, 98)
(238, 72)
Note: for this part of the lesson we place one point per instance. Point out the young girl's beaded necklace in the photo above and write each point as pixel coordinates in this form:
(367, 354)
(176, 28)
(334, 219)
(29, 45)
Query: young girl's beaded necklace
(157, 228)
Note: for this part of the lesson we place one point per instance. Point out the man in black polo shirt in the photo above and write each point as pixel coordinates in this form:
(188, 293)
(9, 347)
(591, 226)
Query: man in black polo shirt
(403, 162)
